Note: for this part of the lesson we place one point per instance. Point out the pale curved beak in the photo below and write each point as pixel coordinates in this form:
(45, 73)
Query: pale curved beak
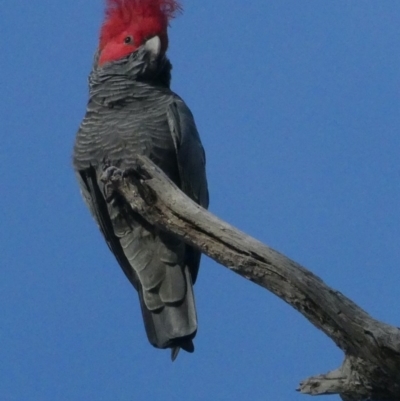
(153, 47)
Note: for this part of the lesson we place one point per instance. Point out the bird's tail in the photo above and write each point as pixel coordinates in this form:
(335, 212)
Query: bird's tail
(174, 325)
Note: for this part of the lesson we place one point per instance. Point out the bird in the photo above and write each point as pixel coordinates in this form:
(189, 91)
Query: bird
(133, 111)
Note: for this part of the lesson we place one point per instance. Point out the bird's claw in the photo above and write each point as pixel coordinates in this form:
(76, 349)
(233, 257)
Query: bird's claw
(110, 177)
(112, 174)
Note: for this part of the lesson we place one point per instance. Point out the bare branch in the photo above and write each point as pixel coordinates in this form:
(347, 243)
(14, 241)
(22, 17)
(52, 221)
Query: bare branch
(371, 370)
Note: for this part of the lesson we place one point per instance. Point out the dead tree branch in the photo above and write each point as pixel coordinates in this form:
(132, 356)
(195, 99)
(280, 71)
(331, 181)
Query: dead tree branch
(371, 369)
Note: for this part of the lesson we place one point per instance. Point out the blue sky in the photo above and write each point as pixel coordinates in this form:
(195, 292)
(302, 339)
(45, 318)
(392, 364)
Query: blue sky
(297, 103)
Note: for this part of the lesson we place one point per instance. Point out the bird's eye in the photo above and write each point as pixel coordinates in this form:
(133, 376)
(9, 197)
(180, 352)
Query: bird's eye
(128, 40)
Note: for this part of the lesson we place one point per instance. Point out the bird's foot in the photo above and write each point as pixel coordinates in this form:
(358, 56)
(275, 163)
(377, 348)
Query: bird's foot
(111, 176)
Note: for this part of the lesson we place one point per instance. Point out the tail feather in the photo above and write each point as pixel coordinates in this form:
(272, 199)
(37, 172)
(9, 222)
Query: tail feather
(152, 300)
(165, 285)
(185, 344)
(173, 288)
(174, 353)
(174, 326)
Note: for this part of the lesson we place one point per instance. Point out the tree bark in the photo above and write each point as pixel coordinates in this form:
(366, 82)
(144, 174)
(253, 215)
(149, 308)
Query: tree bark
(371, 369)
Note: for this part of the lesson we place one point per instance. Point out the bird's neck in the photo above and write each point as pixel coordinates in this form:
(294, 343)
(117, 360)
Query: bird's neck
(125, 83)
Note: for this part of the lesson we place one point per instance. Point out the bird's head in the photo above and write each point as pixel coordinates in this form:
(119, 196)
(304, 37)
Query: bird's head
(130, 24)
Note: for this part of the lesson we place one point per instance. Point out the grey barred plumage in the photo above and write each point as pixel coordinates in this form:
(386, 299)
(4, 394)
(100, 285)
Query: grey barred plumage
(132, 111)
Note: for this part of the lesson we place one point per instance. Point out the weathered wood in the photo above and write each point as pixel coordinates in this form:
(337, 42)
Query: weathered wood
(371, 370)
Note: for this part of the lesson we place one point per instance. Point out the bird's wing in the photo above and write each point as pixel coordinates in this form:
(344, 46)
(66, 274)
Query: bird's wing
(190, 152)
(168, 310)
(191, 164)
(94, 199)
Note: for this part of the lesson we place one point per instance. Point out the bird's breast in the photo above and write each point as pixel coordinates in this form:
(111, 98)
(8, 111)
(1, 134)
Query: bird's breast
(124, 131)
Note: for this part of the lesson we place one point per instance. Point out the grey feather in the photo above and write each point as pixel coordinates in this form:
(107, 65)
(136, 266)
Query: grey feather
(132, 111)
